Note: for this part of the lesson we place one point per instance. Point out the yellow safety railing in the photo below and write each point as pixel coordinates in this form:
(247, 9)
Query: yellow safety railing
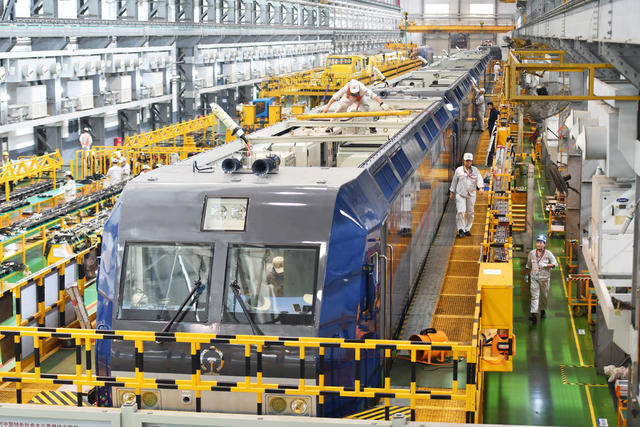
(515, 66)
(17, 214)
(38, 279)
(495, 278)
(253, 349)
(581, 294)
(152, 148)
(30, 167)
(19, 245)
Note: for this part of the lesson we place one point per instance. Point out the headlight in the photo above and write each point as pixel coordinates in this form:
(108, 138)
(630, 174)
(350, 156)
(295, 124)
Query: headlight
(278, 405)
(219, 212)
(128, 397)
(237, 212)
(299, 406)
(149, 399)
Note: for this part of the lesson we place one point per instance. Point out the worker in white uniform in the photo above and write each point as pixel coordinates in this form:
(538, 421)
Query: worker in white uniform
(69, 187)
(5, 159)
(496, 71)
(480, 107)
(354, 96)
(467, 179)
(539, 264)
(85, 144)
(114, 175)
(126, 169)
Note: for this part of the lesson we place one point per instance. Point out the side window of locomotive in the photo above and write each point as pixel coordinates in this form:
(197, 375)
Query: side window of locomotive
(276, 283)
(158, 277)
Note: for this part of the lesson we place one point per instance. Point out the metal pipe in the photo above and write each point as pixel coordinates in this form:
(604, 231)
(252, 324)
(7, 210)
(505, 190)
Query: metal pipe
(354, 114)
(229, 123)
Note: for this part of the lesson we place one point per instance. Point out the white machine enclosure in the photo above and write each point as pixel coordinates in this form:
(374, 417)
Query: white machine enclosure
(612, 246)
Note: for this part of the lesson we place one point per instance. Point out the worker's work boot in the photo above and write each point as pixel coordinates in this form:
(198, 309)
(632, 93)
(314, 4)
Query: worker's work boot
(543, 314)
(461, 233)
(533, 318)
(373, 130)
(467, 233)
(329, 130)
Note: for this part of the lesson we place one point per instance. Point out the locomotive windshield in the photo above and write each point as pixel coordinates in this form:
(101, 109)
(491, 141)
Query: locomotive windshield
(277, 284)
(158, 277)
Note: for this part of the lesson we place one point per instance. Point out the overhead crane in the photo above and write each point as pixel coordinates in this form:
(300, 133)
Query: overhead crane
(320, 83)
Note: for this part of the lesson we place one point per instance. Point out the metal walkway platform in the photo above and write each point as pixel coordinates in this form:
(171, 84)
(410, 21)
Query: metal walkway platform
(445, 297)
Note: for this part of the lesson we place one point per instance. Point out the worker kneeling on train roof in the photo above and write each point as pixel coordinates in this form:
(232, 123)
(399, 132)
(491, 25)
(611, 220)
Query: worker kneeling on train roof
(467, 179)
(354, 96)
(539, 264)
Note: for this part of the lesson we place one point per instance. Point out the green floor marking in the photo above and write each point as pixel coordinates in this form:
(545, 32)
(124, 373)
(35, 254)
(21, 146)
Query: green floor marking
(537, 392)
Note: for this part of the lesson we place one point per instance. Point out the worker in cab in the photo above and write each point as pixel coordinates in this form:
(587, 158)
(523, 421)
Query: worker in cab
(69, 187)
(467, 180)
(539, 265)
(114, 174)
(353, 97)
(275, 276)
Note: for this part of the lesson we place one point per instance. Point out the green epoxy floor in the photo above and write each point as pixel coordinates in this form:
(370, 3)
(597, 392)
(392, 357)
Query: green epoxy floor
(537, 392)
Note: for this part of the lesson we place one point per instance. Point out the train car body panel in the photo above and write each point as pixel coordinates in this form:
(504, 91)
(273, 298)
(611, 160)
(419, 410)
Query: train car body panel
(312, 251)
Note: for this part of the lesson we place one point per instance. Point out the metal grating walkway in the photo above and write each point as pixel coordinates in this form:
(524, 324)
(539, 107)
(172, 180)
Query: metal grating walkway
(453, 313)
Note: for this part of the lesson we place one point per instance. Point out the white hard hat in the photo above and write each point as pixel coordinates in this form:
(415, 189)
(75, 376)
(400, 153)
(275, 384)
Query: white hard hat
(482, 90)
(146, 167)
(354, 86)
(278, 264)
(467, 156)
(86, 129)
(68, 173)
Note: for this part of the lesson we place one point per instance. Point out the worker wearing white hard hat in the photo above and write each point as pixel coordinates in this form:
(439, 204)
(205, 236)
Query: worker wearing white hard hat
(481, 108)
(467, 180)
(275, 276)
(114, 175)
(354, 96)
(85, 140)
(69, 187)
(126, 168)
(539, 264)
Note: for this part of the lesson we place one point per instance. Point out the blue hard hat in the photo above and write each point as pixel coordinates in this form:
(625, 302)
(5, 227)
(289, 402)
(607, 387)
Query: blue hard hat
(542, 238)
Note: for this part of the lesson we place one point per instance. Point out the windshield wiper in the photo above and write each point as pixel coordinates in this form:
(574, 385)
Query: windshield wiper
(235, 288)
(197, 290)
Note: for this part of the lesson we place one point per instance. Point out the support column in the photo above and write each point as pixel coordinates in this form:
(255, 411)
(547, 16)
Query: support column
(89, 9)
(186, 71)
(184, 11)
(129, 122)
(160, 115)
(633, 413)
(127, 9)
(158, 10)
(44, 8)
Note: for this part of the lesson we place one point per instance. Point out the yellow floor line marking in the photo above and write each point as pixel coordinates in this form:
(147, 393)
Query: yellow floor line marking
(564, 283)
(593, 413)
(573, 323)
